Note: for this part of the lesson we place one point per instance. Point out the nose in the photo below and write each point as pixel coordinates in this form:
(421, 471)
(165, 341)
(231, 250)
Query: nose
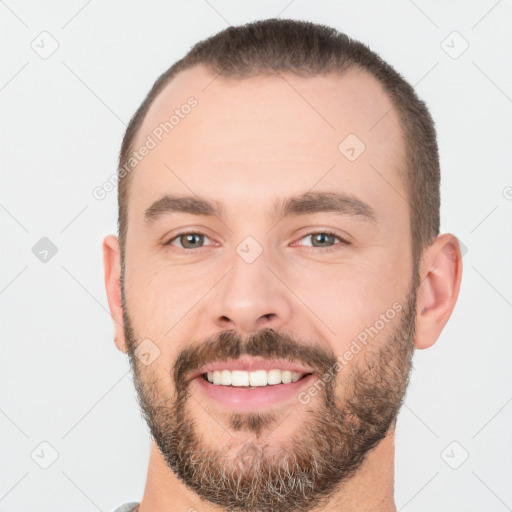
(251, 297)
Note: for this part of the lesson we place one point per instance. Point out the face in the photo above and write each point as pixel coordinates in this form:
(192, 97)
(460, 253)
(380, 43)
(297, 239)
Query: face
(296, 259)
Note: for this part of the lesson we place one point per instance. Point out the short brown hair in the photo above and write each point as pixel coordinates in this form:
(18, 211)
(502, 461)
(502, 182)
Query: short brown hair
(309, 49)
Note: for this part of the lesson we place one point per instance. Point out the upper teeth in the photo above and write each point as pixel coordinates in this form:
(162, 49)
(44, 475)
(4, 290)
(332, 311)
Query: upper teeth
(256, 378)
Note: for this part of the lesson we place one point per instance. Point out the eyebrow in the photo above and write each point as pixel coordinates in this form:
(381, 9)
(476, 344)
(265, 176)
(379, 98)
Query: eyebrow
(309, 202)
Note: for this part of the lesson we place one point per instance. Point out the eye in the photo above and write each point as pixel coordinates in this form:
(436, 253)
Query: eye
(190, 240)
(322, 238)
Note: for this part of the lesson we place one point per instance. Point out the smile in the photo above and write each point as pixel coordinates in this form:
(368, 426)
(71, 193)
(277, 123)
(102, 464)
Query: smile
(258, 378)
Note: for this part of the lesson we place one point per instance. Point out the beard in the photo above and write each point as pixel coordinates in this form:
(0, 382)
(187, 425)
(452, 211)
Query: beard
(324, 451)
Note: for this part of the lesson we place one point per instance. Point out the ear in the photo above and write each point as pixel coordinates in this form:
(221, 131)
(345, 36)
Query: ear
(112, 268)
(440, 277)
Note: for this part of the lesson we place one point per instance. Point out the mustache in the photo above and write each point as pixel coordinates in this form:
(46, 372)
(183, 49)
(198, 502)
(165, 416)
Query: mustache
(267, 343)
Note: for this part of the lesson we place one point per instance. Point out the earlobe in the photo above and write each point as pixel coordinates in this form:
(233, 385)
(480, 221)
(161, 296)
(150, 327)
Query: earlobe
(440, 278)
(112, 270)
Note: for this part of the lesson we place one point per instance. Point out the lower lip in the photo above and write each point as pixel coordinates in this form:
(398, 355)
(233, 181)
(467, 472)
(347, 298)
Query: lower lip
(245, 399)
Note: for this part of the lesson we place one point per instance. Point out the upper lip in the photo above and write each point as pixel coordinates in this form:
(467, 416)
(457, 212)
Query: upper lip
(250, 364)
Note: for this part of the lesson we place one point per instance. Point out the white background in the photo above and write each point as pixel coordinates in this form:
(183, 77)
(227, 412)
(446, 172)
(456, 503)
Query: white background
(62, 120)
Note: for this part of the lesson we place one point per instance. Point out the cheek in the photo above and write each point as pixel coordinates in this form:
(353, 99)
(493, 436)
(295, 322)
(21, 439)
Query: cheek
(164, 301)
(160, 292)
(348, 298)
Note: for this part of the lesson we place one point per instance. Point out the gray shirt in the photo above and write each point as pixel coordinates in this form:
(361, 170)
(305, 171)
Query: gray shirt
(128, 507)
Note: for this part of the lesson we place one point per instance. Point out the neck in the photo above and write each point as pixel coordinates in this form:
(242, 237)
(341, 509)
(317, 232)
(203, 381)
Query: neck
(370, 489)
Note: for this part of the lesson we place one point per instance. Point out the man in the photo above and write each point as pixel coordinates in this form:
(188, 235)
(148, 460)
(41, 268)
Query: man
(278, 261)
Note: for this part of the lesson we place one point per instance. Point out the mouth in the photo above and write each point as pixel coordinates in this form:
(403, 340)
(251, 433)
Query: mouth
(259, 385)
(233, 371)
(252, 380)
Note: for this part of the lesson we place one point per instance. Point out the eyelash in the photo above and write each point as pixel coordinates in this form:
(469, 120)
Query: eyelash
(323, 249)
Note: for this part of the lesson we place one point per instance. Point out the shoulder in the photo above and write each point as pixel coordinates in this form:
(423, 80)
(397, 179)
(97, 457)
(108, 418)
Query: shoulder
(127, 507)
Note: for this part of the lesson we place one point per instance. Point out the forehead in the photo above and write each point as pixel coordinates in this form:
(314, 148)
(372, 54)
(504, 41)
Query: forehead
(255, 139)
